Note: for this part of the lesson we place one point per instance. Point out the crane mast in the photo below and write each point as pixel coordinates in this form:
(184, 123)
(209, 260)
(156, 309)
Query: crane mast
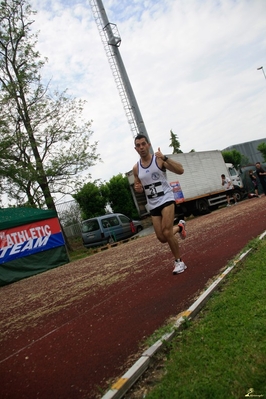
(111, 41)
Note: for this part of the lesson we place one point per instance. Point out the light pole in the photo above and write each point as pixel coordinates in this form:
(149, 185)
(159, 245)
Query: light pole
(262, 71)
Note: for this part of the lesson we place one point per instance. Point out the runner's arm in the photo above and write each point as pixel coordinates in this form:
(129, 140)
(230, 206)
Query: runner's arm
(169, 163)
(173, 166)
(137, 183)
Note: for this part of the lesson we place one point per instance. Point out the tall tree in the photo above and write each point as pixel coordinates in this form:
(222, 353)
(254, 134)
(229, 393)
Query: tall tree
(120, 197)
(233, 157)
(44, 142)
(92, 200)
(174, 143)
(262, 148)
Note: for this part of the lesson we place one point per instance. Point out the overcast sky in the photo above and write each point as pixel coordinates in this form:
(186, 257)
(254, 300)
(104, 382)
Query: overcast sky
(192, 65)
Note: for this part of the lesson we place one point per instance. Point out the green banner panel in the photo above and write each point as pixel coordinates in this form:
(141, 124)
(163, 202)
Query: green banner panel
(21, 268)
(11, 217)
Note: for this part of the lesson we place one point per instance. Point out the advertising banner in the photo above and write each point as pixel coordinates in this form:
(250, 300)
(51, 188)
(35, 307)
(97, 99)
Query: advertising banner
(178, 193)
(29, 239)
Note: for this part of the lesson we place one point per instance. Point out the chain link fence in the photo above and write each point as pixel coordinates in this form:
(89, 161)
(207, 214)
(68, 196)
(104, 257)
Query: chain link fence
(69, 214)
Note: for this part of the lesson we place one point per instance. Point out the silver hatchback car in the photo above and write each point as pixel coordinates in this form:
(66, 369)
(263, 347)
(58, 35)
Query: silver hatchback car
(108, 228)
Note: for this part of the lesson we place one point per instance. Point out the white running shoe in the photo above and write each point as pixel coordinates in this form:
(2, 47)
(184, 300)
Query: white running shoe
(182, 226)
(179, 267)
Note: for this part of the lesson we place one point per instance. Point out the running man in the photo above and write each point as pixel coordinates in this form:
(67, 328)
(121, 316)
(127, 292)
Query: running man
(150, 177)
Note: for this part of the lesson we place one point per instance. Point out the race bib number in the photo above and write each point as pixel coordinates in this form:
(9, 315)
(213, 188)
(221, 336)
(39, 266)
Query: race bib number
(154, 190)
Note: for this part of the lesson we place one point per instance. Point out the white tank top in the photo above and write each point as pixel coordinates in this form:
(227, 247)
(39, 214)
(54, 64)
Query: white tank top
(156, 187)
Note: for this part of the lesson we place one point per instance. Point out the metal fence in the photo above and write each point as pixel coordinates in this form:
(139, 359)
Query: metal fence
(66, 211)
(72, 231)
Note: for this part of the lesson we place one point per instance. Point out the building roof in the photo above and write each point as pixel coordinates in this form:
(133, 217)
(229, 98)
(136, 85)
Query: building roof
(249, 149)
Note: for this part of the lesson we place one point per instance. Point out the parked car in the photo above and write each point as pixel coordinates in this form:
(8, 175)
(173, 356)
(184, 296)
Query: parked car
(138, 225)
(108, 228)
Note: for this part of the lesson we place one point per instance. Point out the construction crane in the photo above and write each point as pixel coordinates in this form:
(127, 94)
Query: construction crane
(111, 41)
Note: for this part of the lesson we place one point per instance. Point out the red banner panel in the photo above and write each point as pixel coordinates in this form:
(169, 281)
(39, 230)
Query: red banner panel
(29, 239)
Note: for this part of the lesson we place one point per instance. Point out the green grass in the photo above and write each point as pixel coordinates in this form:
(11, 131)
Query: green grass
(222, 353)
(78, 251)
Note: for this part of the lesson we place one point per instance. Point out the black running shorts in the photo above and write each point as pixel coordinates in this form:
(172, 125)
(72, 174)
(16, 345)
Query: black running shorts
(158, 211)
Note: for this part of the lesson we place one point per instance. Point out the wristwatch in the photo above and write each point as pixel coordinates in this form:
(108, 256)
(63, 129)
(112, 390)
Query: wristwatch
(165, 158)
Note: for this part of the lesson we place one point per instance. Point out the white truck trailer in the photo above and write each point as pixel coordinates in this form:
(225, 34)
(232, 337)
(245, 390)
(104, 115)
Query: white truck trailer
(199, 190)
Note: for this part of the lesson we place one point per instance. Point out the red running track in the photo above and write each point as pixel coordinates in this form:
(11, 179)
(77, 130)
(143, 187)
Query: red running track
(70, 332)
